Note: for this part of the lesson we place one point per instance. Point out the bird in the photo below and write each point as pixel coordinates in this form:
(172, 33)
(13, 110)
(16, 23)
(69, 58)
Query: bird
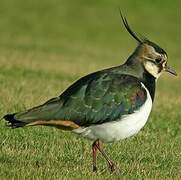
(105, 106)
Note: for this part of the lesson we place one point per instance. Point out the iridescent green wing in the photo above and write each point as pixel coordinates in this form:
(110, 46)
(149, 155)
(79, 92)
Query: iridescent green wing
(94, 99)
(101, 98)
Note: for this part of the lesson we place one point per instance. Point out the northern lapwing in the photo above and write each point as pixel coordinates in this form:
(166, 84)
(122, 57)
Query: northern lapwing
(108, 105)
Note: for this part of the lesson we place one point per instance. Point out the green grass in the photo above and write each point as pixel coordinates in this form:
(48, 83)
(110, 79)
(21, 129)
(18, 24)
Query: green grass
(45, 46)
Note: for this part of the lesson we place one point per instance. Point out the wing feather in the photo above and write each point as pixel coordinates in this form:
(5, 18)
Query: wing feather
(104, 99)
(94, 99)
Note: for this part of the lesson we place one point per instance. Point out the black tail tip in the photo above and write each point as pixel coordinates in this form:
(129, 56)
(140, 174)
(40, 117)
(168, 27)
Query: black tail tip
(12, 122)
(9, 117)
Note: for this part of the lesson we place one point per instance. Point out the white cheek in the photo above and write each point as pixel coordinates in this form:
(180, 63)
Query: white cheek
(152, 69)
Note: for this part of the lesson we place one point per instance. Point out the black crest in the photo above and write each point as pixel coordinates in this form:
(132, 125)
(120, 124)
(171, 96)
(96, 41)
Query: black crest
(133, 34)
(141, 39)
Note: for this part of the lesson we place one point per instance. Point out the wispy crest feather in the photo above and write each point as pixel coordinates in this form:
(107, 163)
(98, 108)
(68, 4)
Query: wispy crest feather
(133, 34)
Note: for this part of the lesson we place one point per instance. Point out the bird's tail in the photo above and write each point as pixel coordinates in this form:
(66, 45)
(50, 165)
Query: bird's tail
(45, 114)
(13, 122)
(40, 113)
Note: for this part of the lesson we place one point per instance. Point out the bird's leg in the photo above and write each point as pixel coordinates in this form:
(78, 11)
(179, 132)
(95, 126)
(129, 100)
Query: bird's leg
(110, 163)
(94, 154)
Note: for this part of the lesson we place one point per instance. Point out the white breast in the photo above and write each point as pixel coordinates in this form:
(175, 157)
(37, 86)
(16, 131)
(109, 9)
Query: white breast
(127, 126)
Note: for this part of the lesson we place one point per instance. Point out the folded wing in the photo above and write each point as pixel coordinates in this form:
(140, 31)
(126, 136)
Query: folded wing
(94, 99)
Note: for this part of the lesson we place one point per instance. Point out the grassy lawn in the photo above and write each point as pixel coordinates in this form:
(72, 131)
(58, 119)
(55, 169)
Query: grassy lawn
(45, 46)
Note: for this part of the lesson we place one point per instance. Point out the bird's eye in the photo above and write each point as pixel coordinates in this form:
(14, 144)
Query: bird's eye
(158, 60)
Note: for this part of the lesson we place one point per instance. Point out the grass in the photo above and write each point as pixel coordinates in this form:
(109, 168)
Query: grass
(45, 46)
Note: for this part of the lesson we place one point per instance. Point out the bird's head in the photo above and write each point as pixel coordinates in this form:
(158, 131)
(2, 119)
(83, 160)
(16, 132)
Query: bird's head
(152, 57)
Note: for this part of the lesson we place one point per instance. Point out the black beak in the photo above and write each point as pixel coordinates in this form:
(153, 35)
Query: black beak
(170, 70)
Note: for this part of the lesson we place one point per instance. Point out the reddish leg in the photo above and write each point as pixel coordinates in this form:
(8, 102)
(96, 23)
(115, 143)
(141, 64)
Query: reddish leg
(94, 154)
(96, 145)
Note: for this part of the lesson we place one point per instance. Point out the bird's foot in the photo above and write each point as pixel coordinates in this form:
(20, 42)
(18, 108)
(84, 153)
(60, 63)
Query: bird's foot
(112, 166)
(94, 169)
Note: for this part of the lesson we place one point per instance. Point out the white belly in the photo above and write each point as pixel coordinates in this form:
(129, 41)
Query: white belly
(127, 126)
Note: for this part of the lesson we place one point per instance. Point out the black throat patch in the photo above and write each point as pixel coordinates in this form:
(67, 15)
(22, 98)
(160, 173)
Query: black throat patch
(150, 83)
